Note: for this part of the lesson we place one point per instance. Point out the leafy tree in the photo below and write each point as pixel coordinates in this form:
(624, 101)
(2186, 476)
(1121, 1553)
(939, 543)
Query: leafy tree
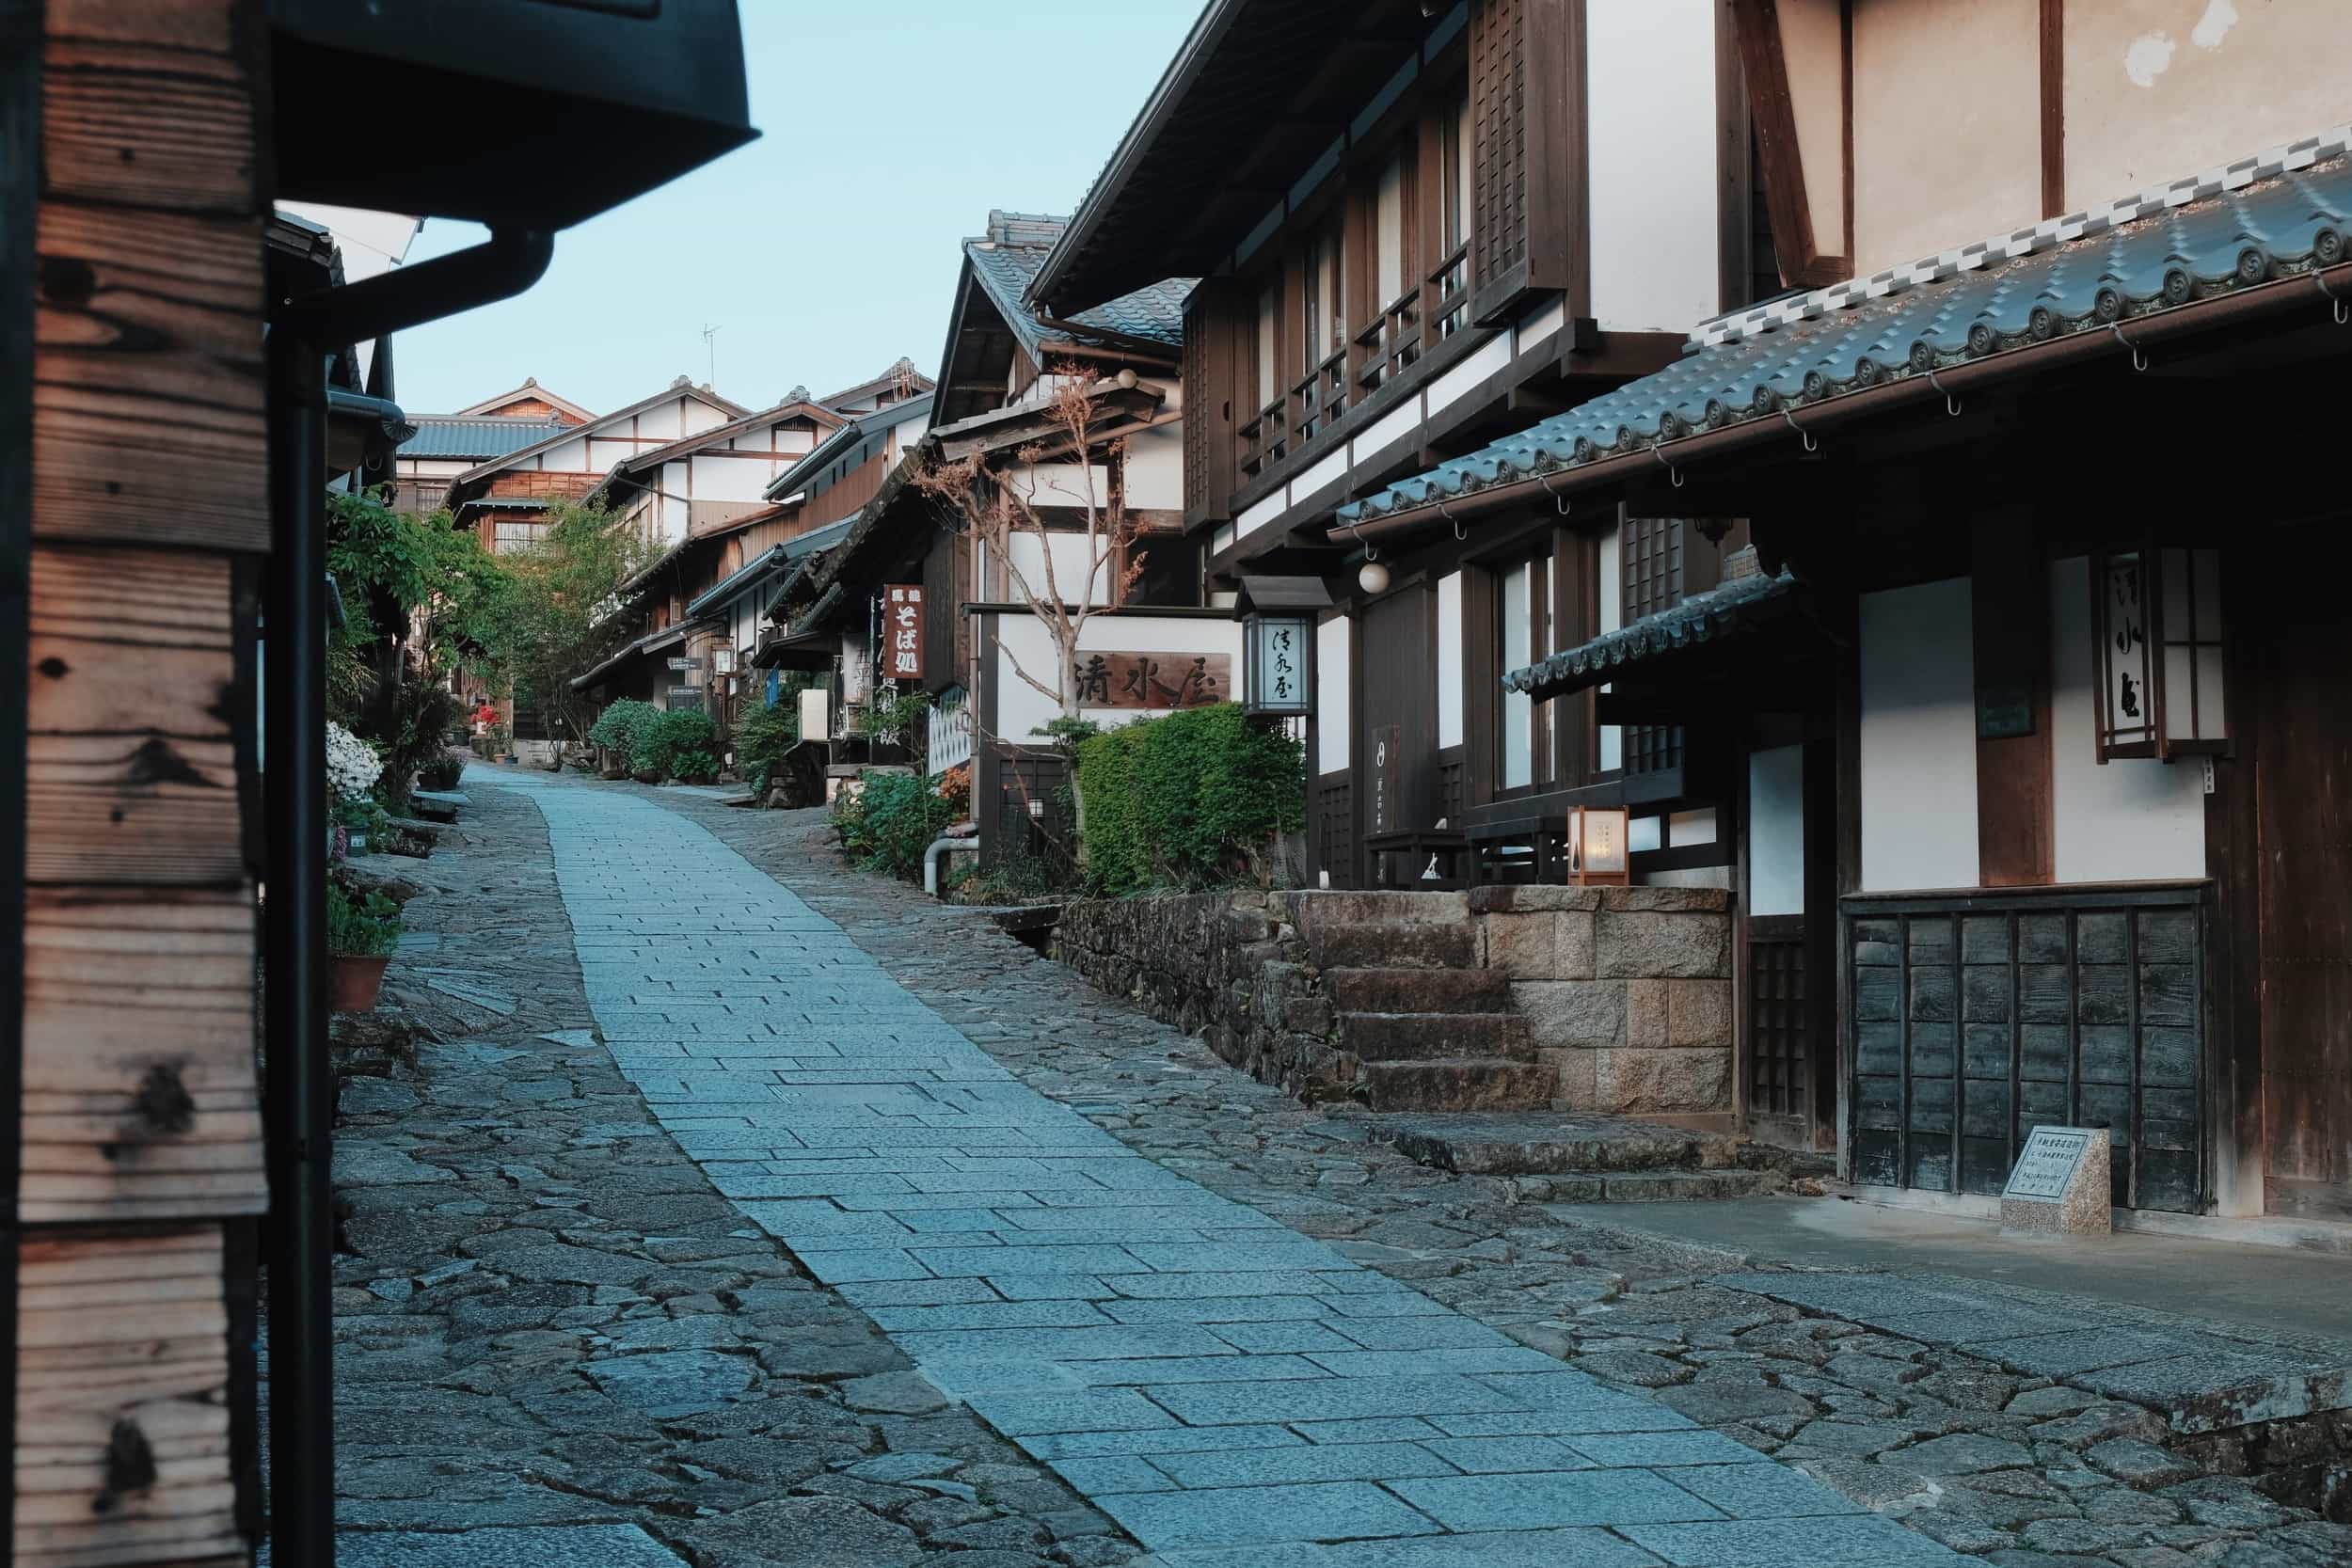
(560, 613)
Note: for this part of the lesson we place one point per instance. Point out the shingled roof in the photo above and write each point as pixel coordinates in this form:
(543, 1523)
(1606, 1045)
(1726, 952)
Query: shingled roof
(477, 439)
(2283, 213)
(1738, 608)
(1006, 261)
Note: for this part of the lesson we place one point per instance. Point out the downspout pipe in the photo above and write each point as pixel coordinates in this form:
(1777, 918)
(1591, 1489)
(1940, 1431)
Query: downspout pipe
(930, 861)
(299, 1106)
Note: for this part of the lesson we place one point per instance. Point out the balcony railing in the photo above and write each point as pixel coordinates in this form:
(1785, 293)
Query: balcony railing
(1390, 344)
(1448, 294)
(1319, 400)
(1265, 440)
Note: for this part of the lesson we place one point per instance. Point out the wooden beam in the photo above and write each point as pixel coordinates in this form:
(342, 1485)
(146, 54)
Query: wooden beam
(2053, 78)
(2015, 806)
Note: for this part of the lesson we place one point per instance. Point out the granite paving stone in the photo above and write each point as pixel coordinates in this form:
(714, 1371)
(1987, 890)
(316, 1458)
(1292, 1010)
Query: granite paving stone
(1025, 1110)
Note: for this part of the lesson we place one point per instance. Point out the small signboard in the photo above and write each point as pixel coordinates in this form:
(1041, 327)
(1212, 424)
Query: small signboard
(1388, 762)
(681, 662)
(902, 631)
(1121, 680)
(2004, 711)
(2059, 1185)
(686, 697)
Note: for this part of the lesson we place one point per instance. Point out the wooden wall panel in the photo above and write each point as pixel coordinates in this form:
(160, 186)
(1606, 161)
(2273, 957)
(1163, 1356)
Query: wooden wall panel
(148, 501)
(1216, 403)
(122, 1419)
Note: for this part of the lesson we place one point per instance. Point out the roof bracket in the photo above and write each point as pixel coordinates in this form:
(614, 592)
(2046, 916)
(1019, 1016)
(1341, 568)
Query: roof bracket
(1558, 501)
(2140, 355)
(2342, 307)
(1951, 399)
(1812, 442)
(1672, 472)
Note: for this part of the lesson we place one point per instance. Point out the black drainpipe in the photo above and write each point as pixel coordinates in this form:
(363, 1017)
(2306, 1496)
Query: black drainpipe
(300, 1106)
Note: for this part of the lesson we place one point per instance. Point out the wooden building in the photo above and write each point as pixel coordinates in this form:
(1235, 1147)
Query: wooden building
(911, 599)
(447, 445)
(1419, 228)
(2026, 714)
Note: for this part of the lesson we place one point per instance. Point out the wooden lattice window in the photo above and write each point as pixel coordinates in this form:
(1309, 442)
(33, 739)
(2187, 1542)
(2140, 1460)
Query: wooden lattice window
(1778, 1058)
(1652, 551)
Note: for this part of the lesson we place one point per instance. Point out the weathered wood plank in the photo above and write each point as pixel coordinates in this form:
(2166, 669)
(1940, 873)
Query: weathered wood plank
(159, 129)
(121, 809)
(131, 641)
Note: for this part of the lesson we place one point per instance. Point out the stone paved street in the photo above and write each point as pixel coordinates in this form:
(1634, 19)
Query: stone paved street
(555, 1317)
(1204, 1374)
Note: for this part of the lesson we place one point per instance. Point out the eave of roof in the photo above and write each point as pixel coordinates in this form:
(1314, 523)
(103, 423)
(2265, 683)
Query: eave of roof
(848, 435)
(652, 642)
(655, 457)
(903, 369)
(1036, 420)
(530, 388)
(773, 559)
(1739, 608)
(1239, 69)
(1940, 327)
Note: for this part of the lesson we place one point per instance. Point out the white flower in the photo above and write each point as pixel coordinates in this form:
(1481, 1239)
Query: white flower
(352, 765)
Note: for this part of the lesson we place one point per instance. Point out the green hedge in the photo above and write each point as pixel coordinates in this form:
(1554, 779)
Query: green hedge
(673, 735)
(618, 727)
(1193, 800)
(888, 823)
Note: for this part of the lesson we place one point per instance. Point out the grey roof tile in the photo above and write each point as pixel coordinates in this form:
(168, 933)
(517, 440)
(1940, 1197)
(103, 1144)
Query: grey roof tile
(2087, 272)
(1006, 261)
(477, 436)
(1737, 607)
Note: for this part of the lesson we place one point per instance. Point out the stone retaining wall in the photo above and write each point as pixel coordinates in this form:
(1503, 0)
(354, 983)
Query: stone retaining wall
(1628, 990)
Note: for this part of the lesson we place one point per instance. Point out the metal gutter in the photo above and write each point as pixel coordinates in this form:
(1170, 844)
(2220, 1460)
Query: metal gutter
(2326, 288)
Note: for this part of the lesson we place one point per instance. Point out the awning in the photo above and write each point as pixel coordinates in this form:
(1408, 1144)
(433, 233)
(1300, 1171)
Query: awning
(652, 642)
(1738, 608)
(812, 649)
(2267, 232)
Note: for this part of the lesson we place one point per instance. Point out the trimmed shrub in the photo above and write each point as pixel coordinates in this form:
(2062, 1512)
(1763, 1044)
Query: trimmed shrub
(890, 820)
(1190, 801)
(670, 737)
(762, 735)
(618, 727)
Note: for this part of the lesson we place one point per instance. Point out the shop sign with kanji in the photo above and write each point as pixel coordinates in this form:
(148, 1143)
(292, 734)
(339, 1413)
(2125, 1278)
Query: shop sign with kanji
(902, 631)
(1121, 680)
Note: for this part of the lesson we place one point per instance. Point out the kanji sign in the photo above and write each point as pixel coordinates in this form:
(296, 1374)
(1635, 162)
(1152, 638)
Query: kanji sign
(1277, 670)
(902, 631)
(1152, 680)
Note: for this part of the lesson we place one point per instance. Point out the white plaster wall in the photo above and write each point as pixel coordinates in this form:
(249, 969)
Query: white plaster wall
(1259, 512)
(1332, 718)
(1919, 738)
(1022, 643)
(1686, 827)
(1612, 571)
(571, 457)
(1060, 483)
(1156, 468)
(1651, 102)
(2135, 819)
(1484, 360)
(1776, 831)
(1070, 578)
(1450, 660)
(699, 417)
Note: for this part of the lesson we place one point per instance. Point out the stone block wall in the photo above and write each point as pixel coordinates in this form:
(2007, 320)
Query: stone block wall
(1629, 989)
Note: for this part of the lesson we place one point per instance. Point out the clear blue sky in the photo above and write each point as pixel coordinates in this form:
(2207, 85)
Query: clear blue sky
(828, 248)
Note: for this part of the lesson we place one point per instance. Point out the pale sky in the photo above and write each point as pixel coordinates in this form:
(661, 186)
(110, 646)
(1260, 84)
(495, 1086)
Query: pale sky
(828, 248)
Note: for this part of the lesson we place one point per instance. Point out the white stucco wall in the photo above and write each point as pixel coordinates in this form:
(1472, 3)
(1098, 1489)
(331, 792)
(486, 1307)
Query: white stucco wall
(1070, 579)
(2133, 819)
(1650, 98)
(1776, 831)
(1919, 738)
(1450, 660)
(1333, 722)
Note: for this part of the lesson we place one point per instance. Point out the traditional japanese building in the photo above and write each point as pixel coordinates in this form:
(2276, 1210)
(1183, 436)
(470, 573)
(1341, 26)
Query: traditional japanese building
(2024, 714)
(448, 445)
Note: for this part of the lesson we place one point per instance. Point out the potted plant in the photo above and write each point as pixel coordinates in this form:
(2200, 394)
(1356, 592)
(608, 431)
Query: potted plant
(443, 772)
(361, 934)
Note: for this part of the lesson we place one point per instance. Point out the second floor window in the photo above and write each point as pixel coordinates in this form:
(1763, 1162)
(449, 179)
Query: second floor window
(1389, 232)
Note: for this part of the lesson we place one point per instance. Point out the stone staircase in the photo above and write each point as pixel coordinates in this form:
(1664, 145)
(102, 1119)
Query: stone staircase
(1428, 1027)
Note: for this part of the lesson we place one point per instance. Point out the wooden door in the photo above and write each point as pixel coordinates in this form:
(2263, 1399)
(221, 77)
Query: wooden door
(2303, 771)
(1399, 710)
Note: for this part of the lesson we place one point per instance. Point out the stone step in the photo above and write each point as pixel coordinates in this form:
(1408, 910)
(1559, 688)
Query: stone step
(1648, 1186)
(1340, 907)
(1457, 1083)
(1549, 1142)
(1423, 1037)
(1392, 943)
(1420, 990)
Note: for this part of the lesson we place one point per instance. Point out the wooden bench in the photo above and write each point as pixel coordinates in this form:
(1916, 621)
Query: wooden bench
(1422, 844)
(1507, 846)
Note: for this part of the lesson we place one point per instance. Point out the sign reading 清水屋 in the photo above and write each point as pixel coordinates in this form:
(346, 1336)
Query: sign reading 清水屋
(1152, 680)
(902, 631)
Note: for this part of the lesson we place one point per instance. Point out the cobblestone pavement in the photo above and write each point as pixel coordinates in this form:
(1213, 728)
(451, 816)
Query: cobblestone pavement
(2023, 1468)
(1231, 1391)
(556, 1342)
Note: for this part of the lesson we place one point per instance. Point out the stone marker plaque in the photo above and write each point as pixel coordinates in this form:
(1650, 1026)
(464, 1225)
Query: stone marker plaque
(2059, 1185)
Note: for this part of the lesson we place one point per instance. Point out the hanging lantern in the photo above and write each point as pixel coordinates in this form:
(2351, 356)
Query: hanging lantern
(1278, 616)
(2156, 653)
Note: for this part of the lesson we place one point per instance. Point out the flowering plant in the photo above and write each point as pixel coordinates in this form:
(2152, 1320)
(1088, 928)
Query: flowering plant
(352, 765)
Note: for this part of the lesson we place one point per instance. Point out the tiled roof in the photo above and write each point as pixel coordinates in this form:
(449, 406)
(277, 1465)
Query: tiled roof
(479, 437)
(1007, 259)
(2285, 213)
(1735, 608)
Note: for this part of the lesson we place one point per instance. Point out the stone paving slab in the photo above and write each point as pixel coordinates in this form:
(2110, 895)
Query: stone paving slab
(1086, 1391)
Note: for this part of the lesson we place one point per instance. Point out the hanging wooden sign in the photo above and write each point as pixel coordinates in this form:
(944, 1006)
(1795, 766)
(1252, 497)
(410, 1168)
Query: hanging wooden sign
(902, 631)
(1122, 680)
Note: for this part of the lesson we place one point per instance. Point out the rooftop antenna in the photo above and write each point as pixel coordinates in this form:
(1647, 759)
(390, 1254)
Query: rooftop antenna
(710, 344)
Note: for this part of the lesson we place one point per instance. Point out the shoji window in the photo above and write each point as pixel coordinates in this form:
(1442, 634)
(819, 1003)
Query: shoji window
(1525, 625)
